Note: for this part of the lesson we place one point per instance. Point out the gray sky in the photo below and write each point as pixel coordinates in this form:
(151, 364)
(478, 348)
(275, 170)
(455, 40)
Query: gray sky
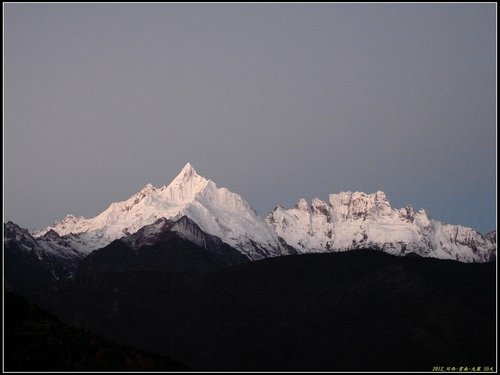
(273, 101)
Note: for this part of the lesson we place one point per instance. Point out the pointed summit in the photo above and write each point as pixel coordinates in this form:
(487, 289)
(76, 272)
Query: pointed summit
(185, 186)
(188, 170)
(187, 173)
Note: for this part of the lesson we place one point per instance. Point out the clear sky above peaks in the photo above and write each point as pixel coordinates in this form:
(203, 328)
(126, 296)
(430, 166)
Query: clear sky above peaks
(273, 101)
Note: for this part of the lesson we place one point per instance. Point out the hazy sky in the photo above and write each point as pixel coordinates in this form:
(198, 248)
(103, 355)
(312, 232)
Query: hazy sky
(273, 101)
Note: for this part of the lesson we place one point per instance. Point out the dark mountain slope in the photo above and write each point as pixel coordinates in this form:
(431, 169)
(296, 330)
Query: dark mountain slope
(358, 310)
(160, 247)
(37, 341)
(24, 269)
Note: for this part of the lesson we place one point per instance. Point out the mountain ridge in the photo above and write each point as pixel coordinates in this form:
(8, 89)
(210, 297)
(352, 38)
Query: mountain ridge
(346, 221)
(353, 220)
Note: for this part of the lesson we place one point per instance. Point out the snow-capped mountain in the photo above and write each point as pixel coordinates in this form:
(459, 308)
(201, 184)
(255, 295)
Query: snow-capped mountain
(347, 221)
(353, 220)
(217, 211)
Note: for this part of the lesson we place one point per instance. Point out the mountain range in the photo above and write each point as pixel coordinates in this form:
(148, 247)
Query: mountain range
(195, 207)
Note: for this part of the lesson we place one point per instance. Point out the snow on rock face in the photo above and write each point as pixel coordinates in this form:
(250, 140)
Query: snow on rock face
(152, 233)
(302, 205)
(68, 247)
(217, 211)
(59, 255)
(355, 220)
